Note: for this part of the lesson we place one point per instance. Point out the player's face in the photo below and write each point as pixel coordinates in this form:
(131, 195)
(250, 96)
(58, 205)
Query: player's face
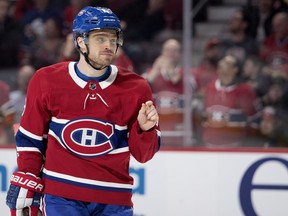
(227, 70)
(172, 51)
(102, 45)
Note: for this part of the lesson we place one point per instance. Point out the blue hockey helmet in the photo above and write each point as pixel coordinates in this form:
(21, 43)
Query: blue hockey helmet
(93, 18)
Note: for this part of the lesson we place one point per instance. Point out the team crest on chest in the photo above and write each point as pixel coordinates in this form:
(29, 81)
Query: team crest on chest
(88, 137)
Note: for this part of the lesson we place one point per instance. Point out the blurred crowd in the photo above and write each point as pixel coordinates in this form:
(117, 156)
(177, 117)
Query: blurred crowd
(38, 32)
(239, 94)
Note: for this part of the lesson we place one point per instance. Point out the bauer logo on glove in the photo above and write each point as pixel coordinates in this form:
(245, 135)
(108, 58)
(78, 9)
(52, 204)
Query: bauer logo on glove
(24, 193)
(21, 181)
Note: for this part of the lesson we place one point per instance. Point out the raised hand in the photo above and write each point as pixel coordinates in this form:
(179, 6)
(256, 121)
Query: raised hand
(148, 116)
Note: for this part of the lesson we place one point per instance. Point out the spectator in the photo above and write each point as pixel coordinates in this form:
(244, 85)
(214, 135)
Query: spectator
(122, 60)
(9, 37)
(173, 14)
(17, 97)
(4, 92)
(11, 110)
(145, 15)
(5, 114)
(69, 53)
(261, 14)
(203, 75)
(274, 50)
(155, 15)
(34, 19)
(166, 72)
(47, 49)
(275, 92)
(275, 116)
(207, 70)
(166, 80)
(229, 107)
(71, 10)
(238, 42)
(254, 76)
(21, 7)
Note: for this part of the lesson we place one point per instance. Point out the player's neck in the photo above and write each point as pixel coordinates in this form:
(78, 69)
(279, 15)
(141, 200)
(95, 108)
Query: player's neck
(87, 70)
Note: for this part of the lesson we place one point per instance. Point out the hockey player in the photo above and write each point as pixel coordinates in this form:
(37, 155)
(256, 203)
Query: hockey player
(81, 123)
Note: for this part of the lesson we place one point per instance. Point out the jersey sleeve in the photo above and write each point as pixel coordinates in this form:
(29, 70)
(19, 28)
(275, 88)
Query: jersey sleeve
(144, 144)
(31, 136)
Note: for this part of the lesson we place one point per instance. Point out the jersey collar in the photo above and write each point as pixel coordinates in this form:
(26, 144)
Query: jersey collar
(82, 83)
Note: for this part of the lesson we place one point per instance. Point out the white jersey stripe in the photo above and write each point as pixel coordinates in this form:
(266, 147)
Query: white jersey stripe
(60, 121)
(120, 150)
(31, 149)
(29, 134)
(114, 71)
(74, 76)
(158, 132)
(56, 137)
(118, 127)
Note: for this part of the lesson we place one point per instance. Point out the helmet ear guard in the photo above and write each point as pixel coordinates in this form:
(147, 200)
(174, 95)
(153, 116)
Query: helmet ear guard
(120, 38)
(83, 36)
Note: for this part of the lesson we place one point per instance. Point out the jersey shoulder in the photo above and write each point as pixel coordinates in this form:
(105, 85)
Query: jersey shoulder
(53, 69)
(55, 73)
(130, 77)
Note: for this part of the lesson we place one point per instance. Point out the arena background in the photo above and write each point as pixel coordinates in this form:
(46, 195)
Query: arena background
(198, 181)
(194, 181)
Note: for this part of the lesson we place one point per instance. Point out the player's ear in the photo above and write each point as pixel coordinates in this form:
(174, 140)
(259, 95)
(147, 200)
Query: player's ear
(81, 43)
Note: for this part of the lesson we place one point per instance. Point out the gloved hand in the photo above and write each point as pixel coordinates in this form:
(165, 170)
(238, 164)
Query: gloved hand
(25, 191)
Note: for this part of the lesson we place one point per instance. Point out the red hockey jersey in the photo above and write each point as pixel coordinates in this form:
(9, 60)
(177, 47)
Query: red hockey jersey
(92, 130)
(230, 111)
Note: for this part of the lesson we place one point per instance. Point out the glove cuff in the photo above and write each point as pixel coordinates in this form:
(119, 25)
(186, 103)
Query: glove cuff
(27, 181)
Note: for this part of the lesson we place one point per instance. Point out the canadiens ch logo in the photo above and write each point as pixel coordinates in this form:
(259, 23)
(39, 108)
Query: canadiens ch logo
(88, 137)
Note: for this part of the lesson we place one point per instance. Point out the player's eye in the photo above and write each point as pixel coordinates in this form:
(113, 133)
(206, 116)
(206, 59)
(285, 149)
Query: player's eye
(101, 40)
(113, 41)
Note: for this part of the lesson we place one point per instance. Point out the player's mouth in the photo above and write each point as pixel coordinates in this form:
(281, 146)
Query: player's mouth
(107, 54)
